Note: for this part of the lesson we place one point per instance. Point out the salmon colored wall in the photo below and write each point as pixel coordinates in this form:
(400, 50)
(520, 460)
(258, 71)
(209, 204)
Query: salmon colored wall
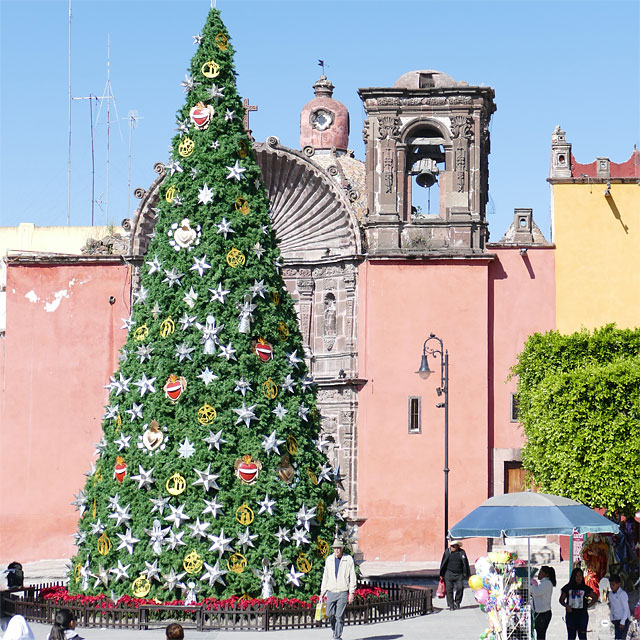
(522, 302)
(400, 475)
(598, 255)
(59, 351)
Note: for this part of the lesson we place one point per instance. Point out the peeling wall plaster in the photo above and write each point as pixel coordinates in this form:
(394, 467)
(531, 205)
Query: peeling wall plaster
(51, 305)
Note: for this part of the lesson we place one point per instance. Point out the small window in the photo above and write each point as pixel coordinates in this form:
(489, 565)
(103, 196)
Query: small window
(514, 414)
(415, 403)
(426, 81)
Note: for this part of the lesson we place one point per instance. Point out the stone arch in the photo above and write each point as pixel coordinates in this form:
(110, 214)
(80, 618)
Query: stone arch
(418, 123)
(436, 158)
(313, 219)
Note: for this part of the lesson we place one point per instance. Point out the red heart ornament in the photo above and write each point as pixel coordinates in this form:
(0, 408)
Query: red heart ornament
(248, 472)
(120, 469)
(201, 115)
(247, 469)
(174, 387)
(264, 351)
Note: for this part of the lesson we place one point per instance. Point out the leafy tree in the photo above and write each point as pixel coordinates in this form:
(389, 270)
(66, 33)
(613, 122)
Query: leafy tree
(579, 405)
(211, 476)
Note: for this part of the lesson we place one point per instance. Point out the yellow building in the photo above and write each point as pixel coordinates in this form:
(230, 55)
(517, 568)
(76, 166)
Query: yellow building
(595, 217)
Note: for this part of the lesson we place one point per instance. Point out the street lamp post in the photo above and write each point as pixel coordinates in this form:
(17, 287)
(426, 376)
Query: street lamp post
(443, 390)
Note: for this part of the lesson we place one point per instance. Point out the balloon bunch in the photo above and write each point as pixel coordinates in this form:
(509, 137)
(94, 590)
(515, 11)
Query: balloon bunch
(495, 589)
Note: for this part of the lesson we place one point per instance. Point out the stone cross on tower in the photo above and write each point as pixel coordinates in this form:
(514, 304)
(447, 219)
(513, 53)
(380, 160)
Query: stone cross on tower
(245, 119)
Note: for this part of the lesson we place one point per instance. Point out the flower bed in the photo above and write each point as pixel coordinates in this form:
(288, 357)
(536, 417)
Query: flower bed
(374, 602)
(60, 596)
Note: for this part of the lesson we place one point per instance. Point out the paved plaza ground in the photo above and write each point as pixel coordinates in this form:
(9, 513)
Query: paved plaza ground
(466, 624)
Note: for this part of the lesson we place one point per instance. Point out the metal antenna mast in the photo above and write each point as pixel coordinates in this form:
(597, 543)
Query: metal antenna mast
(133, 118)
(93, 164)
(108, 96)
(69, 155)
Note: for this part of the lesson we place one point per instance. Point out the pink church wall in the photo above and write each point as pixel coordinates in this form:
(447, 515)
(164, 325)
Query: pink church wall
(400, 475)
(522, 302)
(61, 346)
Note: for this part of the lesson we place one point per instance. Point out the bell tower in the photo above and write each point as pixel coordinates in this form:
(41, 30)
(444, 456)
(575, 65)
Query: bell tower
(427, 148)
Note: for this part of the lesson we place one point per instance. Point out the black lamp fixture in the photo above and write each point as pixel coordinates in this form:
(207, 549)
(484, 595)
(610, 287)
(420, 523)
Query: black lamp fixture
(443, 390)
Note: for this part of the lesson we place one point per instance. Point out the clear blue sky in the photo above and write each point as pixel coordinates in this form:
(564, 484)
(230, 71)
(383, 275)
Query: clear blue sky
(572, 63)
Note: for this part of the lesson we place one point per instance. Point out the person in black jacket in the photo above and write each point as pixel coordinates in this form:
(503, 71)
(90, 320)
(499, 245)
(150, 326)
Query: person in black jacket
(455, 570)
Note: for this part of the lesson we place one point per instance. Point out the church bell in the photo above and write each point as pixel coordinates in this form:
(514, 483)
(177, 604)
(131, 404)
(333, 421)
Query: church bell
(426, 172)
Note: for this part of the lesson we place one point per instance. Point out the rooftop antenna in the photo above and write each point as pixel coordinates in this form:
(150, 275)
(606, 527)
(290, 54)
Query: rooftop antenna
(108, 96)
(132, 118)
(93, 157)
(69, 154)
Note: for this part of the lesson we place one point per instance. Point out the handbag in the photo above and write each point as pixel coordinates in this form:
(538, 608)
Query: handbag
(440, 591)
(321, 611)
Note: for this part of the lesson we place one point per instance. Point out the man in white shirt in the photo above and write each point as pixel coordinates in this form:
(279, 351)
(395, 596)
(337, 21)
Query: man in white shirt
(338, 585)
(619, 607)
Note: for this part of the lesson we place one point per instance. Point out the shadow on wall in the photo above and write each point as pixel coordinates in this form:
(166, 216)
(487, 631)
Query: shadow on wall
(616, 211)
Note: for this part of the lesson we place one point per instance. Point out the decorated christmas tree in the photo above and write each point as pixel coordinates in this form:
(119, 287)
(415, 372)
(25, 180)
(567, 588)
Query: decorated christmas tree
(211, 477)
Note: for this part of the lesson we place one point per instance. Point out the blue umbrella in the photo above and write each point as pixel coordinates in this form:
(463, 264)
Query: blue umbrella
(530, 514)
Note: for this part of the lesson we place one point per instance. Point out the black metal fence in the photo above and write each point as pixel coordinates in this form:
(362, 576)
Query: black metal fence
(399, 602)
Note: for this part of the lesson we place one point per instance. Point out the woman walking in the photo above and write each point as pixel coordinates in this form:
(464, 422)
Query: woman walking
(576, 597)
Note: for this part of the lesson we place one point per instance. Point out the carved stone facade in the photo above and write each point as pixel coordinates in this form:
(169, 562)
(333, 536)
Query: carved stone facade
(316, 204)
(427, 119)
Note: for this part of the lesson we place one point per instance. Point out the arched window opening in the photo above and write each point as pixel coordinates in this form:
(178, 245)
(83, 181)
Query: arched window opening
(426, 161)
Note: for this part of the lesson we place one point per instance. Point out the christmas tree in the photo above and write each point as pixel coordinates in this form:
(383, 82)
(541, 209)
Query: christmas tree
(212, 477)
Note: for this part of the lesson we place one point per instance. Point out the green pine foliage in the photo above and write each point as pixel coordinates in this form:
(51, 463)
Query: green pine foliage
(579, 405)
(210, 294)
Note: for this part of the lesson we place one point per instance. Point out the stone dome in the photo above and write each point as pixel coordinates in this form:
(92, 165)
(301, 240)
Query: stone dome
(324, 122)
(425, 79)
